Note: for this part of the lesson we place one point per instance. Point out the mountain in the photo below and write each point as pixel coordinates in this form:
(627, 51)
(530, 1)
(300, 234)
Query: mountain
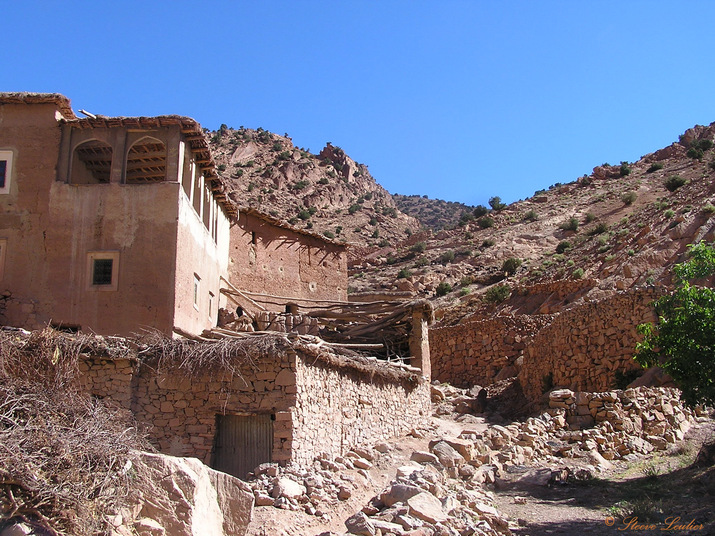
(328, 193)
(622, 226)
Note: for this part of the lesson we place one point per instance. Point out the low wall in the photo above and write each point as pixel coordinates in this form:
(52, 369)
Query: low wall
(582, 348)
(473, 353)
(337, 409)
(316, 406)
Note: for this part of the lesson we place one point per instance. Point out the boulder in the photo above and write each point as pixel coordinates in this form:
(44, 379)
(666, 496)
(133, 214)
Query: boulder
(399, 493)
(287, 488)
(447, 455)
(191, 499)
(361, 525)
(427, 507)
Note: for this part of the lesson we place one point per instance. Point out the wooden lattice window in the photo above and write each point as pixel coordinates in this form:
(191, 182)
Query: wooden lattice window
(146, 162)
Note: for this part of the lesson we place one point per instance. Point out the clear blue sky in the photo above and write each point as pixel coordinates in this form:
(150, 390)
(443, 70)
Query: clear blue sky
(460, 100)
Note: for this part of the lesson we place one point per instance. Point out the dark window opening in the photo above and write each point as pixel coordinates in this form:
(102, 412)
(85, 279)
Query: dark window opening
(253, 237)
(3, 172)
(291, 309)
(91, 163)
(102, 271)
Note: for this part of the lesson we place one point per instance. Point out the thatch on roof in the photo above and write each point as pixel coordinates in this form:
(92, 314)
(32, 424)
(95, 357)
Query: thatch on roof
(24, 97)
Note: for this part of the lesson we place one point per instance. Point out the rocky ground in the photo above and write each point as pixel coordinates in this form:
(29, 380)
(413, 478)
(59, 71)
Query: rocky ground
(464, 474)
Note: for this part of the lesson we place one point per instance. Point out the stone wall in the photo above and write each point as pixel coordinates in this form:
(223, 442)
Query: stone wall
(473, 353)
(582, 348)
(316, 407)
(338, 409)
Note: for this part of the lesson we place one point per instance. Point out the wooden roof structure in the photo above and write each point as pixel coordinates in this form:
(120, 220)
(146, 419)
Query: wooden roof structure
(277, 222)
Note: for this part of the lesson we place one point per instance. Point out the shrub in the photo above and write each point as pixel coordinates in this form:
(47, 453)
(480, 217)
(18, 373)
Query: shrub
(674, 182)
(511, 265)
(682, 343)
(599, 229)
(354, 208)
(376, 233)
(590, 216)
(628, 198)
(570, 225)
(531, 215)
(577, 273)
(480, 210)
(465, 291)
(625, 170)
(654, 167)
(563, 246)
(447, 257)
(373, 220)
(496, 204)
(304, 214)
(466, 281)
(404, 273)
(421, 262)
(338, 229)
(299, 185)
(323, 180)
(384, 243)
(485, 222)
(419, 247)
(444, 288)
(497, 293)
(669, 213)
(695, 152)
(328, 234)
(709, 209)
(488, 242)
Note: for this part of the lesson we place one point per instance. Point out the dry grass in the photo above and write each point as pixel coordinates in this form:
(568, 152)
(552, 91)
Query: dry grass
(65, 459)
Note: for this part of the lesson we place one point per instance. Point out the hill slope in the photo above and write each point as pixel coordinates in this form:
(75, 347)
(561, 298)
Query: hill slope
(328, 193)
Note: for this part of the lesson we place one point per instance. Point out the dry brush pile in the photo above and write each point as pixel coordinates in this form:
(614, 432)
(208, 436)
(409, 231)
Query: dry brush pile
(65, 458)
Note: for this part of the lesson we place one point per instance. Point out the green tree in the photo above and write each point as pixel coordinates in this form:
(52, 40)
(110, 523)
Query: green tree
(683, 342)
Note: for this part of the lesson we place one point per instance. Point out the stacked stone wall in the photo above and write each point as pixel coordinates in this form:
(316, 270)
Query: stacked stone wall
(473, 353)
(317, 408)
(338, 409)
(583, 348)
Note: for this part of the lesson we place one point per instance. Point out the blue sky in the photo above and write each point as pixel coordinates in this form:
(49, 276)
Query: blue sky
(460, 100)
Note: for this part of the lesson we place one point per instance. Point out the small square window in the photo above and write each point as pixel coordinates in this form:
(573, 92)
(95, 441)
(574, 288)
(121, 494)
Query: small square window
(5, 171)
(102, 270)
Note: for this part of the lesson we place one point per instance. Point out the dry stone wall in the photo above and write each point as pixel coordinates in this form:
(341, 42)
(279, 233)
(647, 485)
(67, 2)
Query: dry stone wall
(580, 348)
(317, 408)
(583, 348)
(474, 353)
(338, 409)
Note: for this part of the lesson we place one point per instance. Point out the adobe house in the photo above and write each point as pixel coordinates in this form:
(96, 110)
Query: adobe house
(108, 224)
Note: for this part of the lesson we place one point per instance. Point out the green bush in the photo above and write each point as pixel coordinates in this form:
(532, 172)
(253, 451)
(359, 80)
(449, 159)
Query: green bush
(447, 257)
(488, 242)
(480, 210)
(354, 208)
(683, 342)
(628, 198)
(485, 222)
(570, 225)
(599, 229)
(419, 247)
(328, 234)
(497, 294)
(511, 265)
(421, 262)
(304, 214)
(323, 180)
(563, 246)
(669, 213)
(625, 170)
(654, 167)
(531, 215)
(444, 288)
(373, 220)
(674, 182)
(590, 216)
(496, 204)
(404, 273)
(376, 233)
(577, 273)
(299, 185)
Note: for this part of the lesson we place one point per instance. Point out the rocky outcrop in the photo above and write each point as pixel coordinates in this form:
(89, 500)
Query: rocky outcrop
(187, 499)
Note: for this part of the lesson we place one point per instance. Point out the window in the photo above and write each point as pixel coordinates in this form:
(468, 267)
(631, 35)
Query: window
(91, 163)
(197, 281)
(211, 303)
(5, 171)
(102, 270)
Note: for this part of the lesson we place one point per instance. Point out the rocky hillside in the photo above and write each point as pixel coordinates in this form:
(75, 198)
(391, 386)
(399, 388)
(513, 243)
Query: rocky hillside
(434, 214)
(622, 226)
(328, 193)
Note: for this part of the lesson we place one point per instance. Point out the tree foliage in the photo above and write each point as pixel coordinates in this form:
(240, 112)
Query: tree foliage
(683, 342)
